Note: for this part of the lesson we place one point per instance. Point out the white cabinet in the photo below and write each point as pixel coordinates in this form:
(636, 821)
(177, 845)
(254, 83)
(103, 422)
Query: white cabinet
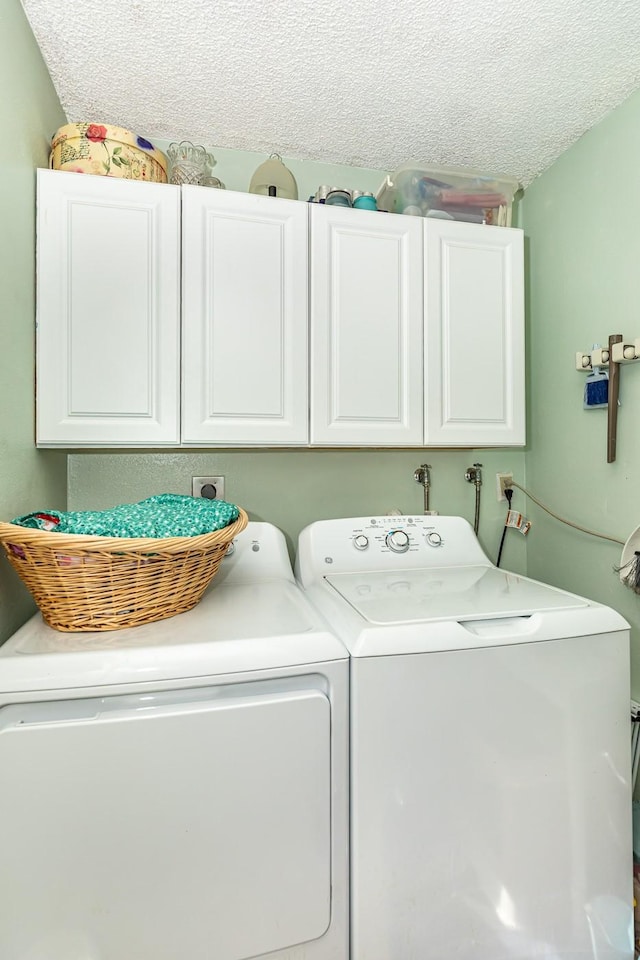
(412, 328)
(108, 335)
(366, 328)
(244, 314)
(474, 335)
(390, 368)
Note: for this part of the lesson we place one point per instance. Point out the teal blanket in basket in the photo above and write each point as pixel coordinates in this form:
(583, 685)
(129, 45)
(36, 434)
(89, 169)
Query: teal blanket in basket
(166, 515)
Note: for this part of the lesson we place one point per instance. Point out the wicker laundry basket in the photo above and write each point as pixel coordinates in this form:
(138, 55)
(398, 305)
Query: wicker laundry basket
(84, 583)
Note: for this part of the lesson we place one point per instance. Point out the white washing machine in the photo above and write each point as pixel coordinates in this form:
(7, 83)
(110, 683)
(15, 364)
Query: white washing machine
(490, 749)
(179, 791)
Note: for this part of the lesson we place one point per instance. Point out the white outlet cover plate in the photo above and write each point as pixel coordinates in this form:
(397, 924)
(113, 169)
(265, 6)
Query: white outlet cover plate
(499, 492)
(197, 483)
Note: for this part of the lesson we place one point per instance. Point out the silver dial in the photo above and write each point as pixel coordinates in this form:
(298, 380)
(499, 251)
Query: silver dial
(398, 541)
(361, 542)
(434, 539)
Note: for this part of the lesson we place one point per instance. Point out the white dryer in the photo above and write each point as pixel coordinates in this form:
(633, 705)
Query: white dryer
(179, 790)
(490, 749)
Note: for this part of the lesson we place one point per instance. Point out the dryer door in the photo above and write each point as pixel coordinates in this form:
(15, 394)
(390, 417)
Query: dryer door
(169, 825)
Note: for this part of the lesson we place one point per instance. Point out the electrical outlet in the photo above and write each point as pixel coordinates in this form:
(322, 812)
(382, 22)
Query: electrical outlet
(503, 480)
(210, 487)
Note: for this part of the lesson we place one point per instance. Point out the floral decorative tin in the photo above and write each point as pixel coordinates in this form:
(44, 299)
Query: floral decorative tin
(106, 150)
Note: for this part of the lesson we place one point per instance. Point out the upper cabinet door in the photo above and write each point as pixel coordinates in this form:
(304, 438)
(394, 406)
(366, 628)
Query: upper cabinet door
(108, 326)
(366, 328)
(244, 319)
(474, 335)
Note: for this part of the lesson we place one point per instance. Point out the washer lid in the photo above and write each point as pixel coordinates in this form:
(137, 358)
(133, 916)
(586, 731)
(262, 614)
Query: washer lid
(475, 592)
(236, 628)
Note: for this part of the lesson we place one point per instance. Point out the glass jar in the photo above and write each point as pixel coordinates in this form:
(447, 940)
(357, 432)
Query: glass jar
(338, 198)
(189, 163)
(365, 201)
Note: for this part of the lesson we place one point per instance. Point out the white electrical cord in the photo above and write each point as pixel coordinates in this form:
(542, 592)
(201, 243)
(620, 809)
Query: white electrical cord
(592, 533)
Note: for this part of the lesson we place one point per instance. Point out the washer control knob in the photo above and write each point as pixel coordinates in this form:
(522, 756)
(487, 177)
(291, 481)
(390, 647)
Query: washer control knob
(398, 541)
(361, 542)
(434, 539)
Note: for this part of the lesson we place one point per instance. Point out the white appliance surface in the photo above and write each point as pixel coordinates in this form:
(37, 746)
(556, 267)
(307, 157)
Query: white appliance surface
(179, 789)
(490, 757)
(252, 617)
(440, 593)
(430, 575)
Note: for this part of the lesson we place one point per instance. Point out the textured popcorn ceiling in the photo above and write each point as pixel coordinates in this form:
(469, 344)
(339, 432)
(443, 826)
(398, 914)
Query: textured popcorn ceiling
(504, 86)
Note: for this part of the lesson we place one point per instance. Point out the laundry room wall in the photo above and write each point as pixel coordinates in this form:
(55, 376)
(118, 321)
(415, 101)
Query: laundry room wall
(29, 113)
(291, 488)
(236, 167)
(582, 228)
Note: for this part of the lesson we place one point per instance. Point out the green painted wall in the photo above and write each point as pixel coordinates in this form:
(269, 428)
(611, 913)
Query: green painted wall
(582, 224)
(236, 167)
(292, 488)
(29, 113)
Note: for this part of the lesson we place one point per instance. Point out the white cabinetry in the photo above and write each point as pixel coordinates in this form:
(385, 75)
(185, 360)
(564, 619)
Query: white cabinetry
(108, 334)
(366, 328)
(381, 355)
(474, 335)
(412, 328)
(244, 314)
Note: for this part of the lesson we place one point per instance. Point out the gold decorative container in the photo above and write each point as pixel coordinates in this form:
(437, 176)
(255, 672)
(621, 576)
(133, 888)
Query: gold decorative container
(106, 150)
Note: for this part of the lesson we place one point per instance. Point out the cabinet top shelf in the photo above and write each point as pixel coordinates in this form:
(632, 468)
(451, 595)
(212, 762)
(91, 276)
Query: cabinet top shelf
(260, 200)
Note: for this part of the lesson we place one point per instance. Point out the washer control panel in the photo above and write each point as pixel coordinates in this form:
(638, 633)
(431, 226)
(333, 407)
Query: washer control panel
(388, 542)
(395, 534)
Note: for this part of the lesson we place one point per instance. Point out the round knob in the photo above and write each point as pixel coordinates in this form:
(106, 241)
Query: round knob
(434, 539)
(398, 541)
(361, 542)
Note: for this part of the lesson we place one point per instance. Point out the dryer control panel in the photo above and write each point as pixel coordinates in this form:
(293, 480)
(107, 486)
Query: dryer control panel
(387, 542)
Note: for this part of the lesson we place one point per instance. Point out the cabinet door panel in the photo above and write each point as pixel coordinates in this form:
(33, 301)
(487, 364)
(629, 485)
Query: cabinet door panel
(474, 342)
(366, 323)
(108, 311)
(245, 313)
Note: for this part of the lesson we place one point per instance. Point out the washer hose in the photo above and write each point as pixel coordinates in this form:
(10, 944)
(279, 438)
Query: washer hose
(474, 475)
